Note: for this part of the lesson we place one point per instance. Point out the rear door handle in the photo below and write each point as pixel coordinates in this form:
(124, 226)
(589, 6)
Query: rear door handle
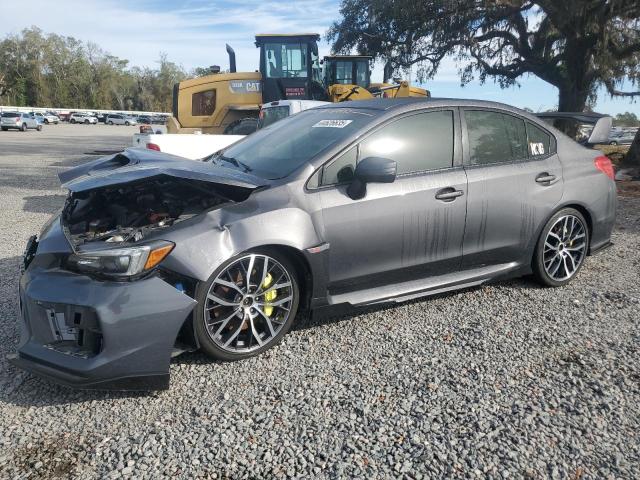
(448, 194)
(546, 178)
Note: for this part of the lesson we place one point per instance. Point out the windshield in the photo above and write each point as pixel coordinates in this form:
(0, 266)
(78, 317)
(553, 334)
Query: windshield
(278, 150)
(286, 60)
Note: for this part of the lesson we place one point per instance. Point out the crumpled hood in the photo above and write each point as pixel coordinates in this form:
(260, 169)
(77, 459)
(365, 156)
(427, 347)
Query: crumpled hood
(138, 164)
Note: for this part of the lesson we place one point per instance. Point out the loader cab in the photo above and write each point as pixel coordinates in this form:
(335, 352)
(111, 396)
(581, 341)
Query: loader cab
(347, 70)
(290, 67)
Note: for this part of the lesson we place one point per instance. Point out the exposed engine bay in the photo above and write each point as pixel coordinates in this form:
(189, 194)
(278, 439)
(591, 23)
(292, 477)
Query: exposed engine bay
(126, 213)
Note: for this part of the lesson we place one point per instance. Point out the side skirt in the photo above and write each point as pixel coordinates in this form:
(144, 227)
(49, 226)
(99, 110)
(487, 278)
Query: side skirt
(412, 289)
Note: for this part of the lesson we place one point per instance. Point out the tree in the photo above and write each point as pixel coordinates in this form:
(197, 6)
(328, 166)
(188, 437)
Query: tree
(575, 45)
(626, 119)
(49, 70)
(201, 71)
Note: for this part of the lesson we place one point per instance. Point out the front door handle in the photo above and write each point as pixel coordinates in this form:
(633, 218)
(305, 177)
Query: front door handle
(448, 194)
(546, 178)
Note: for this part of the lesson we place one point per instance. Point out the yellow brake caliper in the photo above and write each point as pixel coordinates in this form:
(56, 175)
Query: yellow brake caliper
(269, 296)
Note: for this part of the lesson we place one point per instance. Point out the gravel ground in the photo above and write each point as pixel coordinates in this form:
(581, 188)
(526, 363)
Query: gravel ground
(509, 380)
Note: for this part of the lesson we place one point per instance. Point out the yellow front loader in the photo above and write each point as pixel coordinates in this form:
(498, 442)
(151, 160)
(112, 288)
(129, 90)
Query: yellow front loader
(348, 77)
(290, 69)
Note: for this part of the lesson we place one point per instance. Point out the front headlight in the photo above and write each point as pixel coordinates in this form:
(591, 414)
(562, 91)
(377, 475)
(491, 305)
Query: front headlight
(121, 262)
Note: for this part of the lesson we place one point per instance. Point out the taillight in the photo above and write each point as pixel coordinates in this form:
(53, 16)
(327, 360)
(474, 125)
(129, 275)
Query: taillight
(153, 146)
(605, 166)
(17, 119)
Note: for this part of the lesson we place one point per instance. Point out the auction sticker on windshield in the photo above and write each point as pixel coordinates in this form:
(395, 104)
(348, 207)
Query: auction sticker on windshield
(332, 124)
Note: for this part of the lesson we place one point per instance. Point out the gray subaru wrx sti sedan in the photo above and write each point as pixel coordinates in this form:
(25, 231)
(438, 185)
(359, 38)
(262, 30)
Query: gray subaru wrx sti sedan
(357, 203)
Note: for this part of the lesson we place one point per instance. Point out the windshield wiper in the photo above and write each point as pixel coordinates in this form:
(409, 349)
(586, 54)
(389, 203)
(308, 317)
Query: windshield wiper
(235, 162)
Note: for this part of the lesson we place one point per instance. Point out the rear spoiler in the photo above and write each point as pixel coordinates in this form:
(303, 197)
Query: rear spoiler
(601, 123)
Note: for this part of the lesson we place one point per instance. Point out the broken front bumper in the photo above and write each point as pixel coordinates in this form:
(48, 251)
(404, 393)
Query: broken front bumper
(86, 333)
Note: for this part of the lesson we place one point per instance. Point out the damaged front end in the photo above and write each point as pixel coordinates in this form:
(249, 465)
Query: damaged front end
(121, 199)
(117, 203)
(128, 213)
(98, 309)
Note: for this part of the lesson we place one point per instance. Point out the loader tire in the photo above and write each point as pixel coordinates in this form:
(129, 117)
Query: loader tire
(244, 126)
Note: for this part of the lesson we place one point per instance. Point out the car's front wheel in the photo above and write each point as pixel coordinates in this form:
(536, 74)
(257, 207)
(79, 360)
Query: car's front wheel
(247, 305)
(562, 248)
(39, 128)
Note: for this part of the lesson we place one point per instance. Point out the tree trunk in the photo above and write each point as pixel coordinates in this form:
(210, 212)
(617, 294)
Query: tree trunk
(632, 158)
(571, 99)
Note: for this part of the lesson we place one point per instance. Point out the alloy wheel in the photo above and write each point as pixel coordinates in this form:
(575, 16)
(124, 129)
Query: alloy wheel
(248, 303)
(564, 248)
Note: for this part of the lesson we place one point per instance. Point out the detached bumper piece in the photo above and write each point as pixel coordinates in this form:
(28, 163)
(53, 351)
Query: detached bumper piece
(85, 333)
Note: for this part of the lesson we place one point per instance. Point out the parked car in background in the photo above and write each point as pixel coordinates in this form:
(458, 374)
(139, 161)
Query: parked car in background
(19, 121)
(120, 119)
(626, 138)
(46, 118)
(274, 111)
(355, 203)
(64, 116)
(144, 119)
(83, 118)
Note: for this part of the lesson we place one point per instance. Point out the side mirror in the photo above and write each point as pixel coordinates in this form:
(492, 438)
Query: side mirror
(600, 132)
(371, 170)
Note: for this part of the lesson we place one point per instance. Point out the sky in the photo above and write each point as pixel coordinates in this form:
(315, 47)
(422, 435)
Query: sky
(193, 33)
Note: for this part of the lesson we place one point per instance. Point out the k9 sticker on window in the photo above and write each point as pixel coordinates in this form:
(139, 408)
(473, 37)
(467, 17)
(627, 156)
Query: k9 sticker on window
(536, 148)
(332, 124)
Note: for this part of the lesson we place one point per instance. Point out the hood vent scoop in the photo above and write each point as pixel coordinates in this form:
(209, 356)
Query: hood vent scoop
(117, 161)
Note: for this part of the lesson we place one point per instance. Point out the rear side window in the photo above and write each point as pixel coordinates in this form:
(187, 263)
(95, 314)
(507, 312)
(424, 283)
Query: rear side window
(540, 142)
(11, 115)
(203, 103)
(417, 143)
(495, 137)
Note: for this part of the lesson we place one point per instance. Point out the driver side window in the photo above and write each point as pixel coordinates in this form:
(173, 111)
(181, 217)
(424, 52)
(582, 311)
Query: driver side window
(419, 142)
(341, 169)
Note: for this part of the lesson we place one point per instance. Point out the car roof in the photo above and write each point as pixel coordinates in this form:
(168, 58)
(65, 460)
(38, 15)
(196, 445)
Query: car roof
(408, 103)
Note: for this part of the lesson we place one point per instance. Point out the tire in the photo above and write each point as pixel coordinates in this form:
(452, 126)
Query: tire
(72, 120)
(23, 128)
(561, 249)
(127, 124)
(4, 129)
(244, 126)
(110, 122)
(46, 122)
(39, 128)
(86, 122)
(237, 327)
(613, 143)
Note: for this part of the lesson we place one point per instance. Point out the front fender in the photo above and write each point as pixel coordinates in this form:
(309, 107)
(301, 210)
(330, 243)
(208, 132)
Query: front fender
(205, 242)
